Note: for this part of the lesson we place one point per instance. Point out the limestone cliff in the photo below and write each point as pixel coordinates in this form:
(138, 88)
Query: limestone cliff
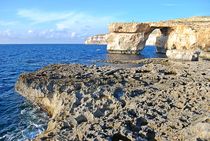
(101, 38)
(97, 39)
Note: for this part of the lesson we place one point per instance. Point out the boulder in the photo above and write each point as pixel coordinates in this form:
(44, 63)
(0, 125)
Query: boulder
(183, 55)
(205, 55)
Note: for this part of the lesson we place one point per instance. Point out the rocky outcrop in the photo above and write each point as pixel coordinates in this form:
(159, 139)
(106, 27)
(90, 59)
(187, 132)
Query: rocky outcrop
(182, 35)
(130, 42)
(183, 55)
(97, 39)
(162, 100)
(127, 38)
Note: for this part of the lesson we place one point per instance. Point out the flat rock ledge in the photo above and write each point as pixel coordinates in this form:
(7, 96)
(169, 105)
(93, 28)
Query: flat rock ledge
(163, 100)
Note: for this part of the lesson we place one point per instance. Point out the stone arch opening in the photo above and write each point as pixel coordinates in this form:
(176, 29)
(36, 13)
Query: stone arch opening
(151, 41)
(158, 37)
(150, 50)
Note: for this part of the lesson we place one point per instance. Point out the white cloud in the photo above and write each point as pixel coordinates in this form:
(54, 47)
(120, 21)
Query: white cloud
(73, 34)
(64, 20)
(7, 23)
(38, 36)
(38, 16)
(30, 31)
(60, 27)
(8, 33)
(84, 21)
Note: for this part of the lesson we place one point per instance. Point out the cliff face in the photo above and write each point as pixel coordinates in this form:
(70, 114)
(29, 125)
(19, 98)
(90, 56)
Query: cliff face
(182, 35)
(102, 39)
(97, 39)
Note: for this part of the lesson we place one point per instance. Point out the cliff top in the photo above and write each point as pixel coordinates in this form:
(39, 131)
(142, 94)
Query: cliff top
(190, 19)
(192, 22)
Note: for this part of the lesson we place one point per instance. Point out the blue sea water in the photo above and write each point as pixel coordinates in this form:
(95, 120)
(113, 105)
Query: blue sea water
(19, 119)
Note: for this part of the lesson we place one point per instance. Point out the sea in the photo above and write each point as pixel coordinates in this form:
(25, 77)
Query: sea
(20, 120)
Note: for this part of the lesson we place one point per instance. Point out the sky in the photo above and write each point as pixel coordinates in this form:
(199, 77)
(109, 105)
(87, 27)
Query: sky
(72, 21)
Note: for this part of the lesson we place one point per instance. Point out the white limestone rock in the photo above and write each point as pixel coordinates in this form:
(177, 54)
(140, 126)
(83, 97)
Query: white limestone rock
(183, 55)
(125, 42)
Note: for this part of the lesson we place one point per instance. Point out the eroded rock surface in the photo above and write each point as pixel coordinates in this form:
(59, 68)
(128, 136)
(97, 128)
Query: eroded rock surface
(162, 100)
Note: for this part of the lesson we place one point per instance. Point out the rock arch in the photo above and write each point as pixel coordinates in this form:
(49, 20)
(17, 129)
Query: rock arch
(130, 39)
(178, 39)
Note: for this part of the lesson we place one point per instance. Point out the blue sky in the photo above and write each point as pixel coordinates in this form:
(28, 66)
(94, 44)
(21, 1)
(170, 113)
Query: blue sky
(72, 21)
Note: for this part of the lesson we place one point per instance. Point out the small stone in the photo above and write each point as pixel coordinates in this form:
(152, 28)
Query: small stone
(80, 119)
(98, 113)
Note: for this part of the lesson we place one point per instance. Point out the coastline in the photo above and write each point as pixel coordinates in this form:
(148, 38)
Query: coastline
(163, 99)
(105, 70)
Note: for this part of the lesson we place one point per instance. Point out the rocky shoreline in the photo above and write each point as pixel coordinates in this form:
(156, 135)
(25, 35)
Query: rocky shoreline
(161, 100)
